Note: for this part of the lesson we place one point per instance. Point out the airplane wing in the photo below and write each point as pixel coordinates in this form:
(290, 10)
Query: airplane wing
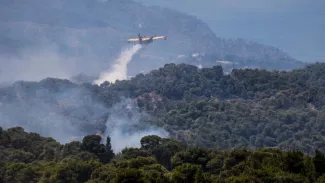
(133, 39)
(159, 37)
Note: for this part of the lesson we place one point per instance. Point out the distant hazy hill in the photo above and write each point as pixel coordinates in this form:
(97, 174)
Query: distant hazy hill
(86, 35)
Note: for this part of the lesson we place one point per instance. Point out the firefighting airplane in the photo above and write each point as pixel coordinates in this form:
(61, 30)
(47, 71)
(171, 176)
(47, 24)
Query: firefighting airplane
(146, 40)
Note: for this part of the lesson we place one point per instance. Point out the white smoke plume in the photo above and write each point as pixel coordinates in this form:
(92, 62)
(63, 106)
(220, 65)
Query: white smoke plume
(124, 126)
(68, 112)
(71, 113)
(60, 115)
(119, 69)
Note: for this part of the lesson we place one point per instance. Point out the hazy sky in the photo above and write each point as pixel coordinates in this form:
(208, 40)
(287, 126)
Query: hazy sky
(295, 26)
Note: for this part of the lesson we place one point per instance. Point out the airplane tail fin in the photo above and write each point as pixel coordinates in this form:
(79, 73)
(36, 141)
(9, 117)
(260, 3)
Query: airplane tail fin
(139, 36)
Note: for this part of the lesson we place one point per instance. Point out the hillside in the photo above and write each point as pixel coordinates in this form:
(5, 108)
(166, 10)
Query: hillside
(64, 38)
(248, 108)
(29, 157)
(255, 21)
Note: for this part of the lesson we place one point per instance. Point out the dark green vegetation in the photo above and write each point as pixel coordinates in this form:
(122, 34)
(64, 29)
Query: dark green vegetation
(224, 128)
(28, 157)
(248, 108)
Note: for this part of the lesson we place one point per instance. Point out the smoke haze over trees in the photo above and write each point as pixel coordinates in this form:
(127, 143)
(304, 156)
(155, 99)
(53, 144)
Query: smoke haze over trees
(246, 108)
(191, 113)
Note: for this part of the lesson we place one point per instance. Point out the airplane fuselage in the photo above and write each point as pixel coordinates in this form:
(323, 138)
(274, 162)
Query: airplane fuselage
(146, 42)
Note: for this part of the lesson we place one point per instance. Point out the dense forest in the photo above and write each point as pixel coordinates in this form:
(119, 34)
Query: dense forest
(247, 108)
(28, 157)
(251, 125)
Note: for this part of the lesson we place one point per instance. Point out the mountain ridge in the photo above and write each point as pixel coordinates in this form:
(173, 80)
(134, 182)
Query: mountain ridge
(87, 35)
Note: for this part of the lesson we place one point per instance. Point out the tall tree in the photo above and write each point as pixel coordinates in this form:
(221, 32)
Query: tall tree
(319, 162)
(91, 143)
